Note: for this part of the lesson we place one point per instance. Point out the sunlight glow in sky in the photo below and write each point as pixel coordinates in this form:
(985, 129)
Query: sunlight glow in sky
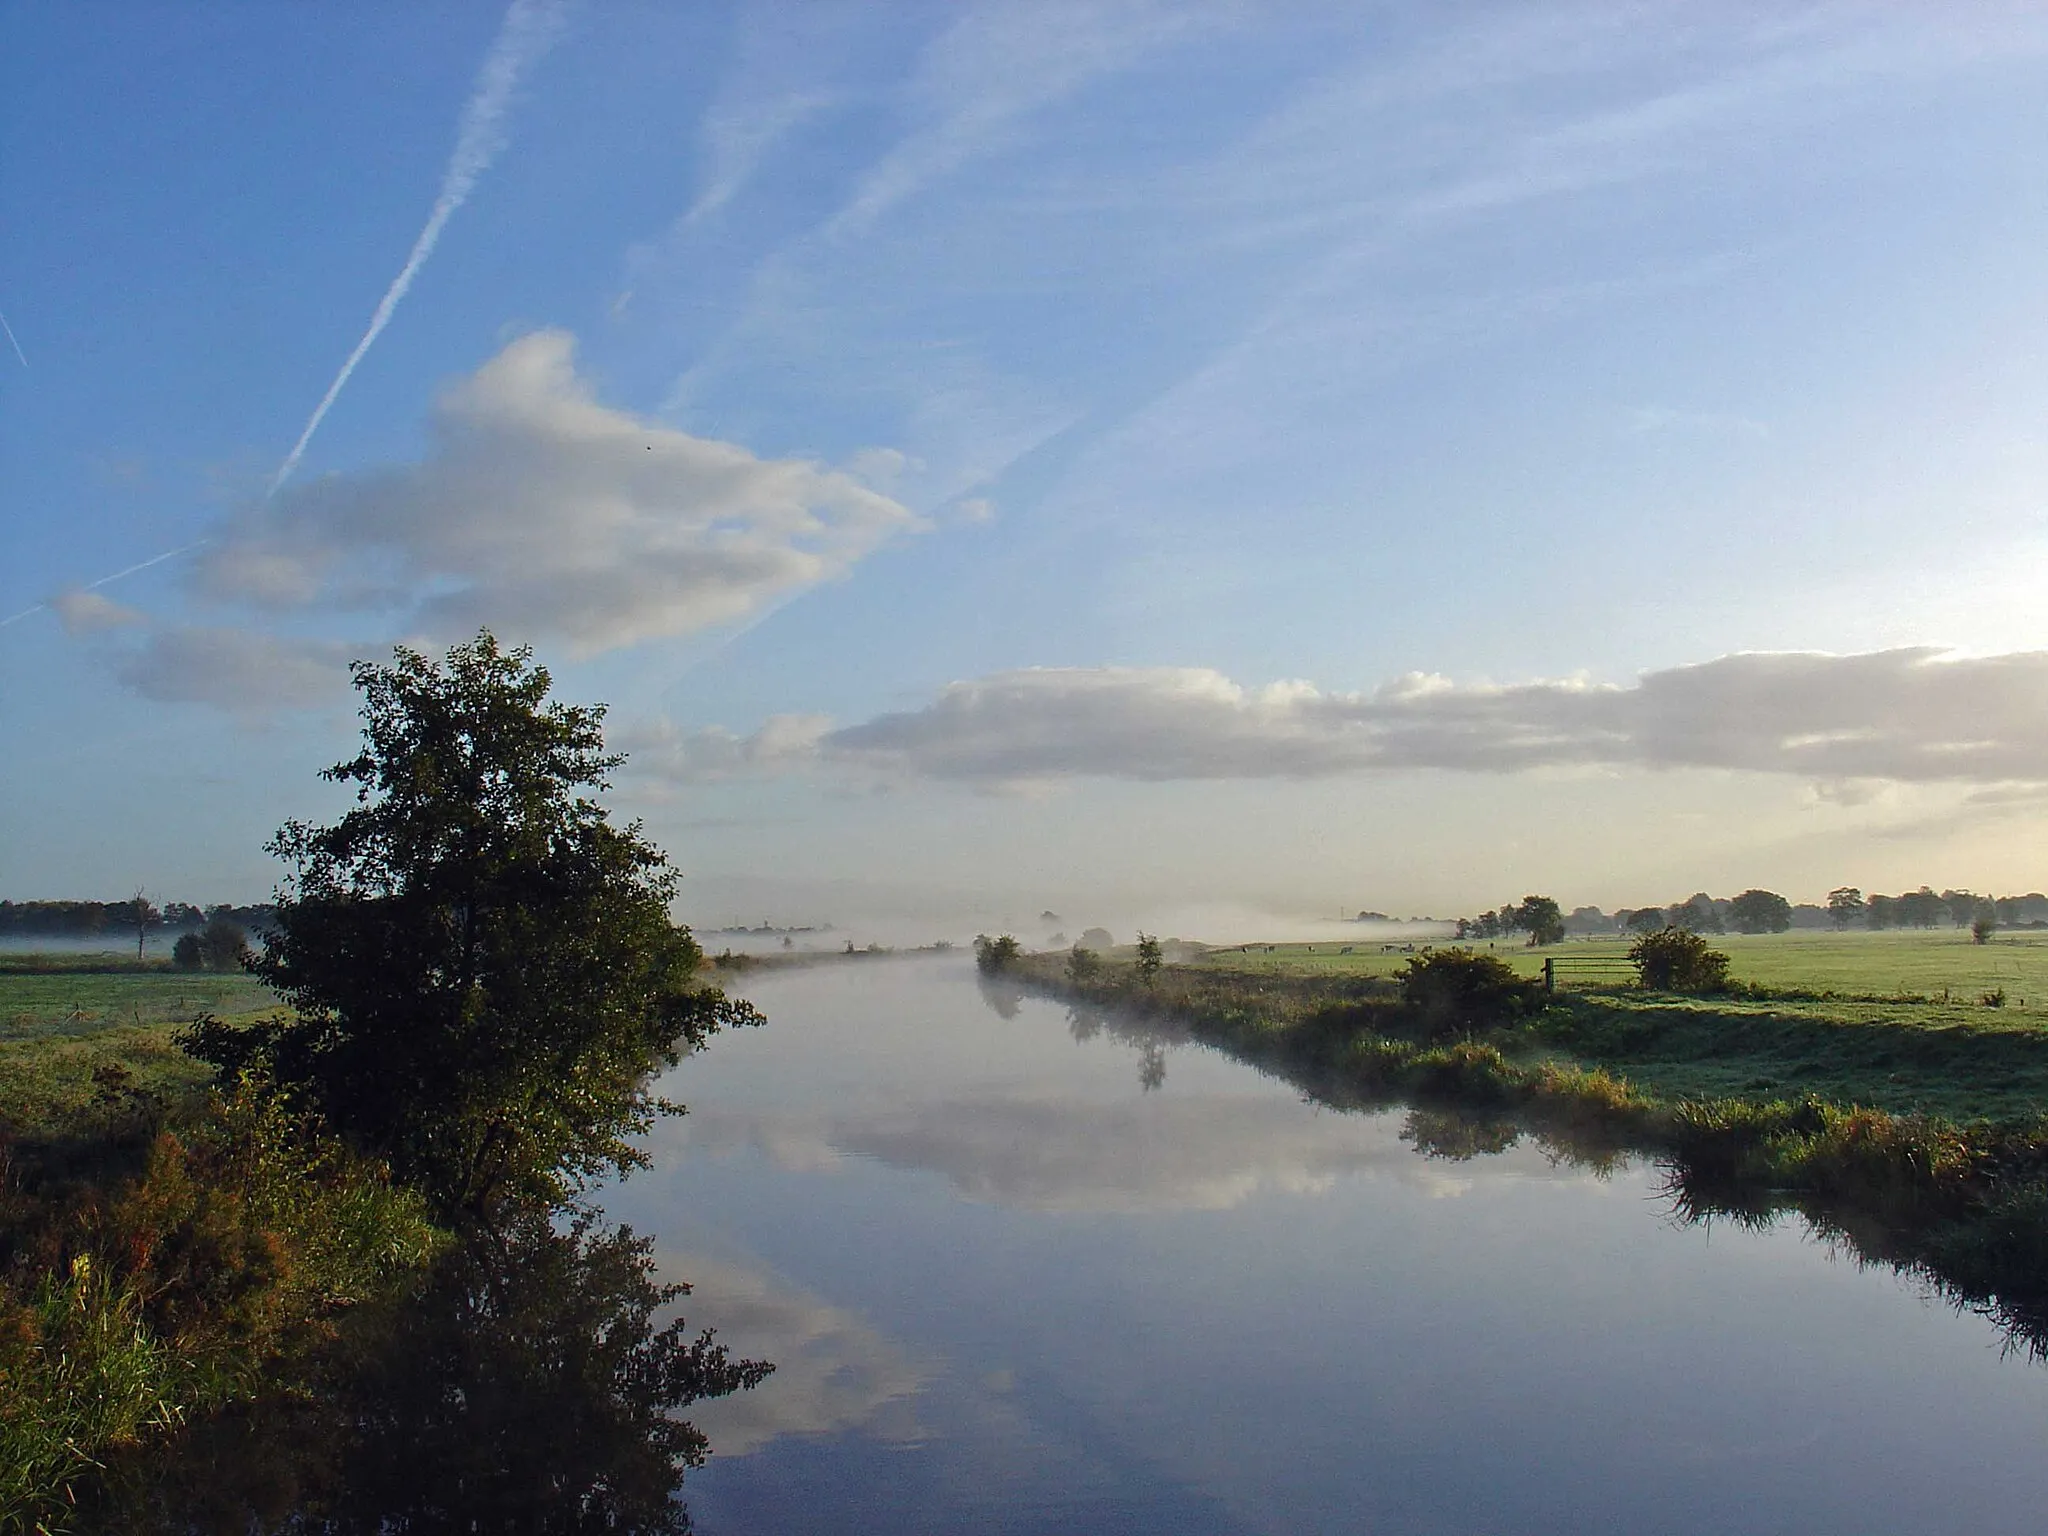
(1136, 458)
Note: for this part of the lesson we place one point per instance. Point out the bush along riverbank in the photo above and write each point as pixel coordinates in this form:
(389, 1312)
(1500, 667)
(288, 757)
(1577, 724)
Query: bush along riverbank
(157, 1266)
(1485, 1058)
(351, 1287)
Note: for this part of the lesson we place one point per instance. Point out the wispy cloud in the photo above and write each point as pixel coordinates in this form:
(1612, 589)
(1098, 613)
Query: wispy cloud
(982, 79)
(528, 29)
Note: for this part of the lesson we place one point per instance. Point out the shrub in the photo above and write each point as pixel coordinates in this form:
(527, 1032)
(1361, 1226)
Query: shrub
(1150, 957)
(1457, 990)
(993, 956)
(1082, 963)
(244, 1232)
(1678, 960)
(483, 971)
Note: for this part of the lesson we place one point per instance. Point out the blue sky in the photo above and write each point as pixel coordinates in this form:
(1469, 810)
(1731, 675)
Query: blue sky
(1177, 461)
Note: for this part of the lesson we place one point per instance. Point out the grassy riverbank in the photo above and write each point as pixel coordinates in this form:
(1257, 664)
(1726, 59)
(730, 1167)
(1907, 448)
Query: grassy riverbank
(1916, 1134)
(162, 1247)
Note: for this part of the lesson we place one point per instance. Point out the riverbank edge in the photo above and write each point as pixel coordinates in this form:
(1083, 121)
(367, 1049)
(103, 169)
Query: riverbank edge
(1963, 1207)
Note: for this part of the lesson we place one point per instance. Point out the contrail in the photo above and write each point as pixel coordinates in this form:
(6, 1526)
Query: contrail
(140, 565)
(143, 565)
(528, 29)
(4, 326)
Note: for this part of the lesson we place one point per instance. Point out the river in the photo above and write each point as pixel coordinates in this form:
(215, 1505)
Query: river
(1019, 1275)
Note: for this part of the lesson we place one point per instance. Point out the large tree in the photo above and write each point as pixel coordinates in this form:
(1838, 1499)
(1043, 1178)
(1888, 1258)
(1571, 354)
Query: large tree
(483, 968)
(1757, 911)
(1540, 918)
(1846, 906)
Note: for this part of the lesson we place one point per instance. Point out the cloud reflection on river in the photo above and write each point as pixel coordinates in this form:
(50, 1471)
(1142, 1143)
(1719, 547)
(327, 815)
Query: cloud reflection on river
(1123, 1157)
(834, 1372)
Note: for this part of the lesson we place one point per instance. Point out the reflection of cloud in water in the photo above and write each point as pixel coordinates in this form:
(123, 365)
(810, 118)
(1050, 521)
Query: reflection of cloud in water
(833, 1372)
(1157, 1154)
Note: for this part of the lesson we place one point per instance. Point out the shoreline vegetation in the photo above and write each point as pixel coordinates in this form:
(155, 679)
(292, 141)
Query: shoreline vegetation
(296, 1239)
(1917, 1143)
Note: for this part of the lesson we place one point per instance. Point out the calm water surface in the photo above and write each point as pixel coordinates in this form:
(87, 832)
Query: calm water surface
(1016, 1280)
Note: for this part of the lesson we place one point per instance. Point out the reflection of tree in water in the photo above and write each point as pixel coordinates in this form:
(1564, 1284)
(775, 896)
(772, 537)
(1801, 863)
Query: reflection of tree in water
(526, 1388)
(1151, 1066)
(1151, 1038)
(1002, 993)
(1457, 1137)
(1985, 1253)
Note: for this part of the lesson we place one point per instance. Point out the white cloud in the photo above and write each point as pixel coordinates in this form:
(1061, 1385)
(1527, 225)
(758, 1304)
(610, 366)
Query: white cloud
(1129, 1156)
(1910, 715)
(85, 613)
(236, 669)
(659, 749)
(541, 512)
(834, 1372)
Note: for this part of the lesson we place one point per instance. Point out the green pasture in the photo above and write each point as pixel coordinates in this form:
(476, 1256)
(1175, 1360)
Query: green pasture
(58, 1027)
(1940, 964)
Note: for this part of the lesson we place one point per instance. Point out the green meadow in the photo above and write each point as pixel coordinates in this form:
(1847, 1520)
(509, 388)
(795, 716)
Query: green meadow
(60, 1027)
(1935, 964)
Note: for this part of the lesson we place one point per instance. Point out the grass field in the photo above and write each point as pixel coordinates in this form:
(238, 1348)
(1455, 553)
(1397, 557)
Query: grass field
(58, 1027)
(1926, 963)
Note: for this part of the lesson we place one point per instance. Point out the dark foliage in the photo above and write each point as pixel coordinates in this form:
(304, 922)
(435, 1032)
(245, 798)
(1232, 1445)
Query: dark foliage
(1677, 960)
(1456, 991)
(483, 968)
(1757, 911)
(529, 1386)
(222, 945)
(1150, 958)
(994, 956)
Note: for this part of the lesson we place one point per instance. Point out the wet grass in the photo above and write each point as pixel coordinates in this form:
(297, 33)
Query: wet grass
(1937, 964)
(65, 1033)
(1906, 1058)
(161, 1244)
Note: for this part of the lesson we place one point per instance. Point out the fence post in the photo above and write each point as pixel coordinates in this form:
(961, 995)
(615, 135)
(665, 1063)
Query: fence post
(1549, 975)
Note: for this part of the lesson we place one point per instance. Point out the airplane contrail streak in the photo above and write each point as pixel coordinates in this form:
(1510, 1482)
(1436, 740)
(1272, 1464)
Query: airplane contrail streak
(529, 27)
(143, 565)
(140, 565)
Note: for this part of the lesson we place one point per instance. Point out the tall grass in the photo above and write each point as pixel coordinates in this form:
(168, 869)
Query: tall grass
(124, 1310)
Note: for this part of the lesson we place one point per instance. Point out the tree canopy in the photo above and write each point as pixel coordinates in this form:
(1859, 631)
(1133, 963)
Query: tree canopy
(483, 968)
(1759, 911)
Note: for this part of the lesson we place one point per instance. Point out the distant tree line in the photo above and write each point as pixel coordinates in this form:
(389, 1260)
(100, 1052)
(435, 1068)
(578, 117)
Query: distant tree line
(83, 919)
(1761, 911)
(1537, 916)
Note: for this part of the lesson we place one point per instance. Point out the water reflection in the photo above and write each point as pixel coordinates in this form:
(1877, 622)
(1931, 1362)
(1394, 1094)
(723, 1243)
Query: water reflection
(531, 1386)
(1012, 1290)
(835, 1373)
(1995, 1266)
(1045, 1154)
